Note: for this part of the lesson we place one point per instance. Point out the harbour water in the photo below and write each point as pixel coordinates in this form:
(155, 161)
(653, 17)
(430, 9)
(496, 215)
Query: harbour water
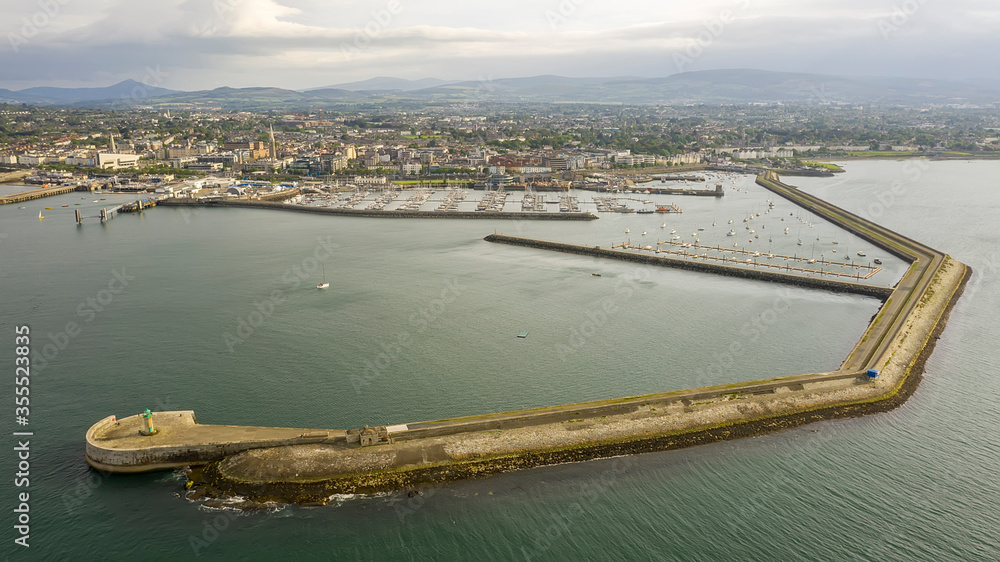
(218, 313)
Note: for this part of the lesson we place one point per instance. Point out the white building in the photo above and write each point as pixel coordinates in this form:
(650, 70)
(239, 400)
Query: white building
(110, 161)
(38, 160)
(370, 180)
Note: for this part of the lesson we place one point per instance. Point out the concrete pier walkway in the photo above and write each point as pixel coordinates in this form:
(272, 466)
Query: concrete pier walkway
(879, 374)
(118, 445)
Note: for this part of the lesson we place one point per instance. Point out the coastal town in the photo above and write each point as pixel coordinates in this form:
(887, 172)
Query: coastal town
(245, 154)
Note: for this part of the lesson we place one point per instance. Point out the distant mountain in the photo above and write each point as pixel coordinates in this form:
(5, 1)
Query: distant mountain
(722, 86)
(709, 86)
(251, 99)
(384, 83)
(744, 85)
(126, 90)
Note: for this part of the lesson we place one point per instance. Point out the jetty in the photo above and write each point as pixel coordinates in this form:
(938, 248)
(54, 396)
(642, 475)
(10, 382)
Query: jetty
(308, 466)
(378, 213)
(37, 194)
(698, 263)
(650, 190)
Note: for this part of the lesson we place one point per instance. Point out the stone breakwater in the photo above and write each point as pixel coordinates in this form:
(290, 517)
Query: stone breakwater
(371, 213)
(325, 462)
(692, 265)
(312, 473)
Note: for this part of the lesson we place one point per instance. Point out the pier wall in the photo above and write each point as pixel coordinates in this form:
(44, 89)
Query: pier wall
(678, 400)
(36, 194)
(898, 341)
(383, 214)
(132, 452)
(896, 244)
(636, 190)
(882, 293)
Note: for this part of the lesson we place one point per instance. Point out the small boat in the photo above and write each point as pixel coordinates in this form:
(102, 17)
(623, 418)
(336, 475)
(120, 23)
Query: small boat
(325, 283)
(522, 335)
(596, 274)
(878, 261)
(862, 254)
(40, 215)
(627, 231)
(664, 225)
(22, 208)
(48, 208)
(800, 242)
(643, 232)
(65, 205)
(731, 233)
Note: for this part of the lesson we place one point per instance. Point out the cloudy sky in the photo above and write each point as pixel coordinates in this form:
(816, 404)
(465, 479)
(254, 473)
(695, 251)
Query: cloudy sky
(298, 44)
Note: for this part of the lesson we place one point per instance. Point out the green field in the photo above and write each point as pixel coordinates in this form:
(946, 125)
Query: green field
(882, 154)
(825, 165)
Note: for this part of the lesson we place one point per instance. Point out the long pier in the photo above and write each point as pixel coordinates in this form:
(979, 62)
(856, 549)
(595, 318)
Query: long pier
(879, 374)
(870, 270)
(925, 264)
(36, 194)
(373, 213)
(704, 266)
(661, 191)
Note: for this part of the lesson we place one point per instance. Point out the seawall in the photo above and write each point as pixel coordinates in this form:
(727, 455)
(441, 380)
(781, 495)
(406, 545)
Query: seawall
(371, 213)
(897, 342)
(502, 442)
(36, 194)
(117, 445)
(882, 293)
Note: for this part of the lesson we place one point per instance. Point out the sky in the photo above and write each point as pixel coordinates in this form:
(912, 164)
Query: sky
(301, 44)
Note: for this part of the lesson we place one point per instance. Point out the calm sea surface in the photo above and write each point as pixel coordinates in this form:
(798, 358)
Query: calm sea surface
(219, 314)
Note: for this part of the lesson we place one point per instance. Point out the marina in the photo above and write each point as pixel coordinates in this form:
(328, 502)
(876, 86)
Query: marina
(756, 259)
(927, 292)
(827, 324)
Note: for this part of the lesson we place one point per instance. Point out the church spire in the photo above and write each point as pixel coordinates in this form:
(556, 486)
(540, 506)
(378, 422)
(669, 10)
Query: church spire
(274, 150)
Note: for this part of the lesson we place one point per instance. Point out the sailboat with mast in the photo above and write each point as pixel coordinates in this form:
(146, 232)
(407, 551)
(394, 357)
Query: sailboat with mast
(325, 283)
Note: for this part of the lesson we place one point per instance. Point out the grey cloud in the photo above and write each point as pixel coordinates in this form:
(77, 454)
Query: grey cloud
(301, 43)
